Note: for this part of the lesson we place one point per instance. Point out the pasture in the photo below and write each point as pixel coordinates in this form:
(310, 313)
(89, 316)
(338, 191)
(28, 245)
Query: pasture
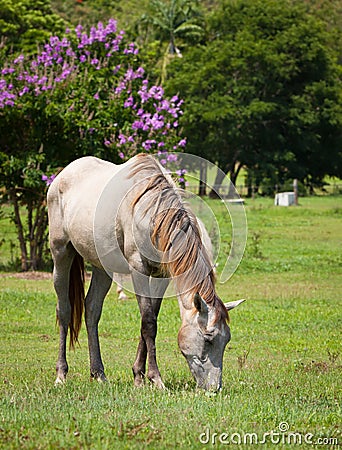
(282, 368)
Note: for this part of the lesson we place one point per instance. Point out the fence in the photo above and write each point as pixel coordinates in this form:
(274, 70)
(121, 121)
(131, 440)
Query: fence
(244, 191)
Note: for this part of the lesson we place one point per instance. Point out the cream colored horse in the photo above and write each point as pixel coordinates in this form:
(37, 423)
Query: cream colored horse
(131, 219)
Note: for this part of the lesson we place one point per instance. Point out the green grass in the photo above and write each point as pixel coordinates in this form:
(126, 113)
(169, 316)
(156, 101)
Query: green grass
(283, 363)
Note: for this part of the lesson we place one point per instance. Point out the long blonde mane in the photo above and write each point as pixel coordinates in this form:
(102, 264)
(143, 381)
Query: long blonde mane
(176, 234)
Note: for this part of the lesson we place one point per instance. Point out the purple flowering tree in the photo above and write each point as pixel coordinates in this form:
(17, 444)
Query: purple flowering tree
(84, 93)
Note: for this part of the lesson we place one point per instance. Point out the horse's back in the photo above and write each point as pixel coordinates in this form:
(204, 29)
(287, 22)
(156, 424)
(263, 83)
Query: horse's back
(78, 174)
(72, 201)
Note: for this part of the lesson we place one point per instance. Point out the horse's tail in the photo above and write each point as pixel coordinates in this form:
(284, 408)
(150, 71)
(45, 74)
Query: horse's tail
(76, 297)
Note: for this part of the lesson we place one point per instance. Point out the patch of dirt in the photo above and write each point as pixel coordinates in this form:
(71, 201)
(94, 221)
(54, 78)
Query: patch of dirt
(34, 275)
(27, 275)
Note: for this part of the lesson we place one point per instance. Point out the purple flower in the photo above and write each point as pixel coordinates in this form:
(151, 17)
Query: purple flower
(23, 91)
(165, 104)
(182, 143)
(19, 59)
(156, 92)
(144, 96)
(120, 88)
(117, 68)
(181, 172)
(146, 146)
(96, 96)
(172, 157)
(129, 102)
(139, 73)
(157, 122)
(78, 30)
(48, 180)
(7, 70)
(122, 139)
(138, 124)
(121, 155)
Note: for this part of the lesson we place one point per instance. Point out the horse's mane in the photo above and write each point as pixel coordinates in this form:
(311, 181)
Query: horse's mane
(175, 233)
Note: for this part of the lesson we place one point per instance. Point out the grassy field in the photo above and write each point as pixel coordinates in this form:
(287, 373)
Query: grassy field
(282, 368)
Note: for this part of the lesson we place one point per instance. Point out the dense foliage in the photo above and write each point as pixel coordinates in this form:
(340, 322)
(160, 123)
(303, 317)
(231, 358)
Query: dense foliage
(24, 24)
(264, 92)
(81, 94)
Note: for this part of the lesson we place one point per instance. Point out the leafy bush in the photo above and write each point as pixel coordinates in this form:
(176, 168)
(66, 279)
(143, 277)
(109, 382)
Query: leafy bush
(84, 93)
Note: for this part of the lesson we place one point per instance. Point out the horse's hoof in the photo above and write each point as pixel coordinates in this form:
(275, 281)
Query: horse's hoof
(60, 381)
(122, 296)
(158, 383)
(138, 381)
(100, 377)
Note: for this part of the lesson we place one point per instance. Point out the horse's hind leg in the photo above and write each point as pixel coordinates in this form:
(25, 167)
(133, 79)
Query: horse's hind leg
(99, 286)
(63, 257)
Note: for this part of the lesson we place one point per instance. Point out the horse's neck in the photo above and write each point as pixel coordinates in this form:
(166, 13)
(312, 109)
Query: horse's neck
(185, 305)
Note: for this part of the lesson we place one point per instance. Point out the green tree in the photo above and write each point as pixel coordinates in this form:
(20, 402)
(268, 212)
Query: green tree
(86, 12)
(168, 26)
(264, 93)
(25, 24)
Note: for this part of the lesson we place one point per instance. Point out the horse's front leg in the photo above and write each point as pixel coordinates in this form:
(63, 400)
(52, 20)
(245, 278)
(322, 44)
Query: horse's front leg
(149, 310)
(148, 339)
(99, 286)
(139, 366)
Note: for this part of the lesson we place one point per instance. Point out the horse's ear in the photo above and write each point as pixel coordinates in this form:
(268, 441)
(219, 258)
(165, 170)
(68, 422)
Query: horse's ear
(200, 304)
(232, 305)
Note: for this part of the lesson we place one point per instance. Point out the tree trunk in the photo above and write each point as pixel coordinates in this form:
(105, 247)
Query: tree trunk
(37, 234)
(41, 233)
(20, 230)
(215, 191)
(202, 189)
(234, 173)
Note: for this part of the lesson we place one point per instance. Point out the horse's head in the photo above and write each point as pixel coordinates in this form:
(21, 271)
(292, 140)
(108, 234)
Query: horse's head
(202, 339)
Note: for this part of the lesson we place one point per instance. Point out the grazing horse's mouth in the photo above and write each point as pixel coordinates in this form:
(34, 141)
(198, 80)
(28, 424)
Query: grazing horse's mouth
(208, 379)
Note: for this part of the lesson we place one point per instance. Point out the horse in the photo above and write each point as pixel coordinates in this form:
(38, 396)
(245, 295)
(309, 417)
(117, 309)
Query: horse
(206, 242)
(132, 219)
